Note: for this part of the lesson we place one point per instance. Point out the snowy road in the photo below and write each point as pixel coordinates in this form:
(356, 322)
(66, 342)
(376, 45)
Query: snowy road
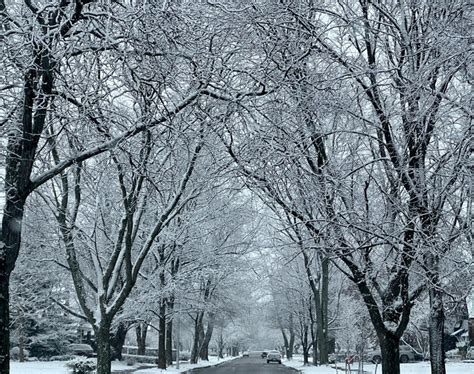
(246, 365)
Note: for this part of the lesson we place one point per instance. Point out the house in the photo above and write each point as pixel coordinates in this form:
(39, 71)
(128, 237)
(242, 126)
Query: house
(464, 332)
(464, 329)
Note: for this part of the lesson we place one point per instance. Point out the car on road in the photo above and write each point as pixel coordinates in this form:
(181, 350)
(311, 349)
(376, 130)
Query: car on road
(245, 354)
(406, 354)
(274, 356)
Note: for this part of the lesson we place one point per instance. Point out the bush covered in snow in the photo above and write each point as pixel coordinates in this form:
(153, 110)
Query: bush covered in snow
(82, 365)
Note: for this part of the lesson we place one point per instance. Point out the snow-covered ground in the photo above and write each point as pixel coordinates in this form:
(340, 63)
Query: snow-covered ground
(52, 367)
(38, 367)
(411, 368)
(185, 367)
(58, 367)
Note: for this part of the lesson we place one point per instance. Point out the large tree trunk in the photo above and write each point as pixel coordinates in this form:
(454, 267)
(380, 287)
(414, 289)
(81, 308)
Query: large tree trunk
(321, 298)
(4, 320)
(322, 324)
(437, 317)
(103, 348)
(10, 239)
(169, 332)
(141, 330)
(204, 351)
(304, 343)
(286, 343)
(390, 349)
(169, 342)
(162, 337)
(436, 326)
(198, 335)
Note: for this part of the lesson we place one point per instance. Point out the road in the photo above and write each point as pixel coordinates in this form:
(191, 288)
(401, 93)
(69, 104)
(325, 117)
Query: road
(246, 365)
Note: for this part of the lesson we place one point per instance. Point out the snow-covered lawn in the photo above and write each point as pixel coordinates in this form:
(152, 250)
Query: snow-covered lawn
(411, 368)
(58, 367)
(38, 367)
(52, 367)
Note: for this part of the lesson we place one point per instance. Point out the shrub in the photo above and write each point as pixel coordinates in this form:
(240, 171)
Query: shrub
(82, 365)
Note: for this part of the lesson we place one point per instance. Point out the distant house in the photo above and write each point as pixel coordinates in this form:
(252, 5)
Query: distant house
(464, 332)
(464, 329)
(85, 333)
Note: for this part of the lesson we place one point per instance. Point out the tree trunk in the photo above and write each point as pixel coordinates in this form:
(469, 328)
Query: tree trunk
(169, 342)
(103, 348)
(10, 239)
(304, 343)
(162, 337)
(436, 319)
(322, 325)
(321, 298)
(197, 337)
(291, 342)
(314, 344)
(390, 349)
(4, 321)
(204, 351)
(319, 323)
(118, 340)
(220, 345)
(169, 331)
(286, 343)
(141, 330)
(436, 329)
(314, 341)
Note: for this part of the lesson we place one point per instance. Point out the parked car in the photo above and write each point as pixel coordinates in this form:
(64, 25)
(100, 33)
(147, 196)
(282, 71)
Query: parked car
(274, 356)
(406, 353)
(245, 354)
(81, 350)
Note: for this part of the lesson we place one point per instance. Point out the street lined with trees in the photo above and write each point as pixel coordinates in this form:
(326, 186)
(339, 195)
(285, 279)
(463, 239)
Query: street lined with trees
(230, 174)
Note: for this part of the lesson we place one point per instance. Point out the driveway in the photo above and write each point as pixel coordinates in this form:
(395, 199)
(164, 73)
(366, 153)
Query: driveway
(246, 365)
